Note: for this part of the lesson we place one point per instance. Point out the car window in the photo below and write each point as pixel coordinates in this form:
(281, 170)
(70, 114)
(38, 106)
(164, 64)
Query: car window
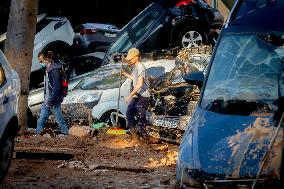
(2, 76)
(86, 64)
(78, 28)
(41, 24)
(122, 44)
(102, 83)
(143, 24)
(246, 74)
(106, 77)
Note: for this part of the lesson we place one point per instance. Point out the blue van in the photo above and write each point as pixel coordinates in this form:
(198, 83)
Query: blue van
(235, 136)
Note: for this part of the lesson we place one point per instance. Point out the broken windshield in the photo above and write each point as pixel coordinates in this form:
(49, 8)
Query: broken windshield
(106, 77)
(246, 76)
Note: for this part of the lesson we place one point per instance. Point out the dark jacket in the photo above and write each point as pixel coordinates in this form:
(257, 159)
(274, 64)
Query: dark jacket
(55, 95)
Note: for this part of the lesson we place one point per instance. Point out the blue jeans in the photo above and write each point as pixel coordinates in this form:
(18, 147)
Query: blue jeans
(44, 114)
(136, 114)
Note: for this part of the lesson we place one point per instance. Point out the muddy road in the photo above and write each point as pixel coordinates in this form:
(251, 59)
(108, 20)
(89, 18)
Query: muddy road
(104, 161)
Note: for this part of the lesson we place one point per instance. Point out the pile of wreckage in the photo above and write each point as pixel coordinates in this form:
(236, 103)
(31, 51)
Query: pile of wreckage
(173, 99)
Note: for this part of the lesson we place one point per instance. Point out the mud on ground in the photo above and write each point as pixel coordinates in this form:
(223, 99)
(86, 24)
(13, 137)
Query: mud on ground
(104, 161)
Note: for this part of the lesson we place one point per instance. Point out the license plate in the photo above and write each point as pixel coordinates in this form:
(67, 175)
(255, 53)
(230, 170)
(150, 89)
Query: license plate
(166, 122)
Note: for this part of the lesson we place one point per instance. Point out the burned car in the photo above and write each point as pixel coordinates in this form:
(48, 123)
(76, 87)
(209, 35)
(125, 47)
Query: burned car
(235, 136)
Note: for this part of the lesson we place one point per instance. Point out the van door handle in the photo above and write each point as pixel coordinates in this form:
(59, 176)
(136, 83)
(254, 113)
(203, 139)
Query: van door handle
(6, 100)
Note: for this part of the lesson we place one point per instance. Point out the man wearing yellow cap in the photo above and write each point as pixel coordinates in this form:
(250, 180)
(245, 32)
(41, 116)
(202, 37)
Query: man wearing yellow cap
(139, 97)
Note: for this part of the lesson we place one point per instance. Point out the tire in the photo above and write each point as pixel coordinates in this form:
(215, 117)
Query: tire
(106, 119)
(6, 154)
(191, 37)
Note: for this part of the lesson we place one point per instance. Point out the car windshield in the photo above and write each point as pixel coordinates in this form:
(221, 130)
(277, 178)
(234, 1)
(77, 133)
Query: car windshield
(106, 77)
(134, 30)
(246, 76)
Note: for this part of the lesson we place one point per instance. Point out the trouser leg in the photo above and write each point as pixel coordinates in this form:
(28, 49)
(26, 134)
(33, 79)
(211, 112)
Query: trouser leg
(44, 114)
(131, 113)
(142, 106)
(60, 120)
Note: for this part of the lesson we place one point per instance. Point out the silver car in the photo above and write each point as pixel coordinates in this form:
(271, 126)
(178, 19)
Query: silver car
(9, 96)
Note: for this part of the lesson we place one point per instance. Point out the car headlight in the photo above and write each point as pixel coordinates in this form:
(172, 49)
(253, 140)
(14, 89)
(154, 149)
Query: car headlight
(90, 97)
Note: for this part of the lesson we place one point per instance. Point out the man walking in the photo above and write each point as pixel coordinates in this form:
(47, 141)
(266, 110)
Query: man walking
(53, 95)
(139, 97)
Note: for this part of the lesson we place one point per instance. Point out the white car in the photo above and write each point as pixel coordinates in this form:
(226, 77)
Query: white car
(96, 97)
(52, 33)
(9, 96)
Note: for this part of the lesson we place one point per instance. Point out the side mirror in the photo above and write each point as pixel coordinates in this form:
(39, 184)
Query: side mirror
(194, 78)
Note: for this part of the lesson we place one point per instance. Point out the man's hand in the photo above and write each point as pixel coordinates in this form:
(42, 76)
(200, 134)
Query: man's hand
(127, 99)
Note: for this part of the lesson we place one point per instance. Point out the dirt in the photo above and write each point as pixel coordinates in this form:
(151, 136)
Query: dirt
(103, 161)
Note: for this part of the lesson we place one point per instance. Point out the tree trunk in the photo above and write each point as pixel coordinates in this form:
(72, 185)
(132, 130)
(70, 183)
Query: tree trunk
(19, 47)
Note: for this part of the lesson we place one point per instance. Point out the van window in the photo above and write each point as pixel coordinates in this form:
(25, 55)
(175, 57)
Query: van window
(246, 76)
(2, 76)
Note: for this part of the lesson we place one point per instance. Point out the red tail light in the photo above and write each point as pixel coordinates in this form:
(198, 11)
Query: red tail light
(87, 31)
(183, 2)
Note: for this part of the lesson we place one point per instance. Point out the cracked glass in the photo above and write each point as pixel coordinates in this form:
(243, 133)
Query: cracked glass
(246, 76)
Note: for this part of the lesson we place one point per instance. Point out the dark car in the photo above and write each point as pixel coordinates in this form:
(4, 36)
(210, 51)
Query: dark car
(163, 25)
(235, 136)
(91, 37)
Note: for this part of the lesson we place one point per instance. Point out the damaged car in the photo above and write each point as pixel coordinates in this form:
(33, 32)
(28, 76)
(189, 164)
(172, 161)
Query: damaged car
(96, 97)
(166, 24)
(235, 136)
(173, 99)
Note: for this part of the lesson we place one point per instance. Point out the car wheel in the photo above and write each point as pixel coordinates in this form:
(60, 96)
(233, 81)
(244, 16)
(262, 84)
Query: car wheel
(6, 153)
(106, 119)
(191, 37)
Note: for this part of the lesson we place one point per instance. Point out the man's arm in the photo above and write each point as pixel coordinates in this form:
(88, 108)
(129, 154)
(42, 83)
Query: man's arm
(137, 87)
(127, 74)
(55, 92)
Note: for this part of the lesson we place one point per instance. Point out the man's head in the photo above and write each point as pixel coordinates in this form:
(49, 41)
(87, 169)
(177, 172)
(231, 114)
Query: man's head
(133, 56)
(45, 58)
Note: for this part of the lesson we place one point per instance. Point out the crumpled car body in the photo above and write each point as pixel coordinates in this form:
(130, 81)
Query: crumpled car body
(173, 99)
(235, 136)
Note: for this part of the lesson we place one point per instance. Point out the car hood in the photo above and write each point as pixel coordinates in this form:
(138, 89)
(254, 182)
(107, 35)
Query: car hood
(82, 96)
(229, 146)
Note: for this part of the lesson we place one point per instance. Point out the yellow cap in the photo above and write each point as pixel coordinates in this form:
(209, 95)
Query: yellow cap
(132, 53)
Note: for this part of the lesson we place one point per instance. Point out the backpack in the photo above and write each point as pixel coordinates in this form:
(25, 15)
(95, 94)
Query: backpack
(64, 82)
